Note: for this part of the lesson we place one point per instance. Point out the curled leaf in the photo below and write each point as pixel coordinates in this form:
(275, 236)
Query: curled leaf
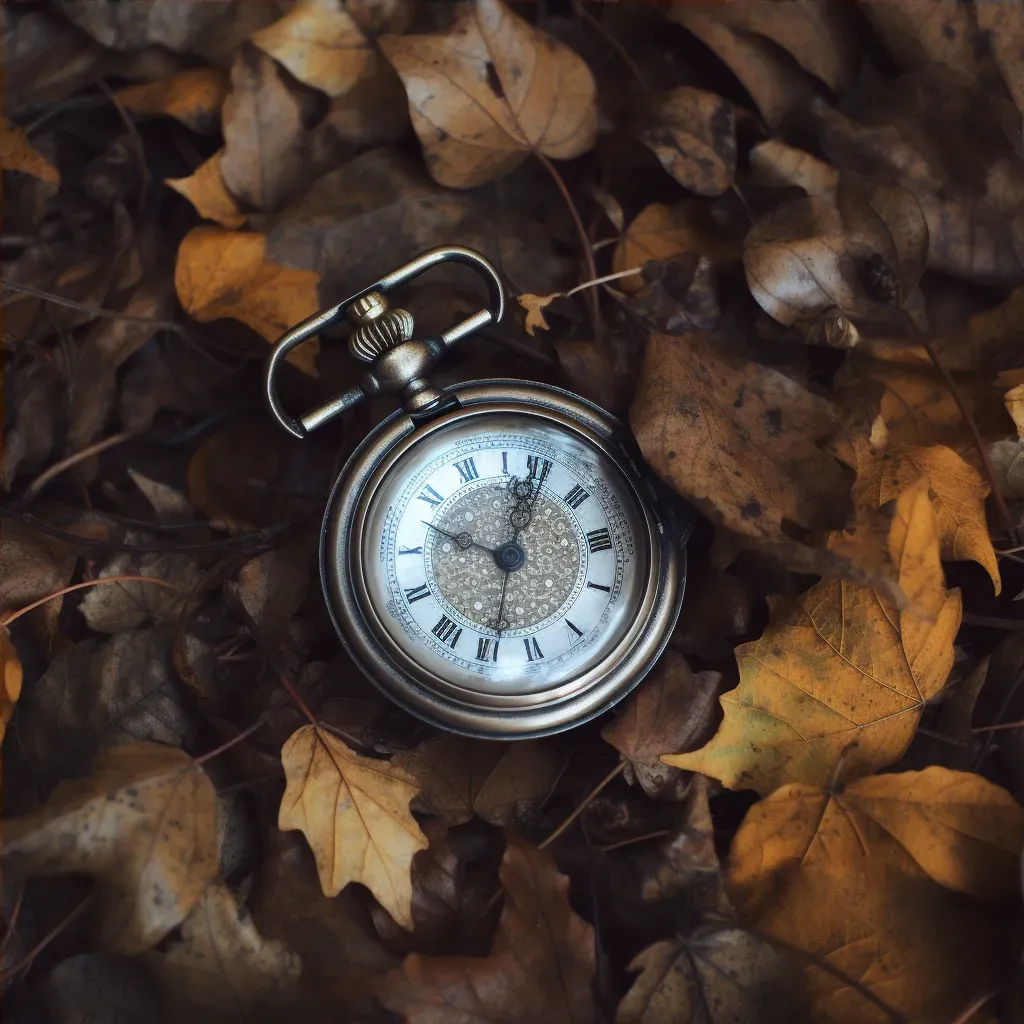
(193, 96)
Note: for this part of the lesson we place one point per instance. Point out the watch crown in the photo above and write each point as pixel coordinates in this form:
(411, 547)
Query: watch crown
(377, 327)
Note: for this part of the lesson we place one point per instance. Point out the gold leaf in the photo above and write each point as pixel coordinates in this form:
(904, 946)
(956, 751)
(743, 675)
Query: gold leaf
(206, 191)
(193, 96)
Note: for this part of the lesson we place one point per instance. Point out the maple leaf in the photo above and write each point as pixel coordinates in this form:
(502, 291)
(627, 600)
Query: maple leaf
(862, 877)
(354, 813)
(490, 92)
(193, 96)
(223, 273)
(144, 824)
(18, 154)
(540, 969)
(204, 188)
(840, 677)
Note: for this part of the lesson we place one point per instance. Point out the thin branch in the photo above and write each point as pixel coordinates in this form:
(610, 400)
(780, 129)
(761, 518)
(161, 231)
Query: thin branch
(7, 618)
(974, 1006)
(646, 837)
(12, 921)
(61, 926)
(998, 728)
(72, 460)
(607, 780)
(602, 280)
(234, 741)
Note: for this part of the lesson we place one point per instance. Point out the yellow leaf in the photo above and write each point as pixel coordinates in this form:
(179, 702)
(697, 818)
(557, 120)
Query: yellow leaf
(491, 91)
(840, 677)
(535, 306)
(144, 825)
(206, 191)
(223, 273)
(10, 680)
(320, 44)
(957, 493)
(18, 154)
(193, 96)
(862, 877)
(354, 813)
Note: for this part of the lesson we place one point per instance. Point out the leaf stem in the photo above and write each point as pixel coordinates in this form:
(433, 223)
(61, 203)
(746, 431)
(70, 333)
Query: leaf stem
(234, 741)
(609, 778)
(974, 1006)
(7, 619)
(58, 467)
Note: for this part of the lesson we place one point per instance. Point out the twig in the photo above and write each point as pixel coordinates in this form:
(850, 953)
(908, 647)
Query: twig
(609, 778)
(602, 280)
(234, 741)
(7, 618)
(1004, 706)
(58, 467)
(13, 919)
(616, 44)
(974, 1006)
(61, 926)
(993, 621)
(646, 837)
(998, 727)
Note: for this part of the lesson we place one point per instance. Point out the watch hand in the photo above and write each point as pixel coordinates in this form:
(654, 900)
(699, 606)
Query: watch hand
(463, 540)
(499, 623)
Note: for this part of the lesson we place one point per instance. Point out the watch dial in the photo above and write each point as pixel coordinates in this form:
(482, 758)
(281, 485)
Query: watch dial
(508, 554)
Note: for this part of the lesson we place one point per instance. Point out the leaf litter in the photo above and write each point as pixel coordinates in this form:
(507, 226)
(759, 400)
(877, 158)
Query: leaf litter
(787, 246)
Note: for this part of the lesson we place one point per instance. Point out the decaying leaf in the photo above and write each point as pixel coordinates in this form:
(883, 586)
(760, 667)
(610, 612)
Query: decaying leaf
(838, 681)
(220, 967)
(1014, 401)
(18, 154)
(223, 273)
(694, 137)
(492, 91)
(354, 812)
(673, 710)
(193, 96)
(143, 824)
(1004, 28)
(10, 680)
(169, 504)
(31, 567)
(321, 44)
(206, 191)
(540, 969)
(732, 436)
(776, 163)
(861, 876)
(272, 586)
(535, 306)
(679, 295)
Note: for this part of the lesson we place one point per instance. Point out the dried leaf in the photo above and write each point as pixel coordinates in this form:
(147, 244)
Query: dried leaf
(271, 588)
(840, 677)
(540, 969)
(220, 967)
(31, 567)
(1014, 402)
(144, 824)
(354, 812)
(206, 191)
(491, 91)
(708, 628)
(1003, 25)
(170, 505)
(18, 154)
(462, 777)
(223, 273)
(193, 96)
(10, 680)
(672, 711)
(535, 306)
(679, 295)
(776, 164)
(856, 876)
(694, 137)
(736, 438)
(319, 42)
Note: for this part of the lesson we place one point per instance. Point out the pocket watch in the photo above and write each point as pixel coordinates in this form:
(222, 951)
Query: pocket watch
(494, 555)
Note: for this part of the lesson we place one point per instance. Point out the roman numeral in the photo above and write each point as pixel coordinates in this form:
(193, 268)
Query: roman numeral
(576, 497)
(447, 632)
(575, 629)
(467, 470)
(409, 551)
(533, 651)
(504, 463)
(537, 468)
(416, 593)
(597, 586)
(430, 496)
(486, 649)
(598, 541)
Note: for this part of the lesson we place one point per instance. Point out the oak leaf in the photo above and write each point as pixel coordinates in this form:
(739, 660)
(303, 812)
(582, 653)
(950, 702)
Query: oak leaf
(540, 969)
(490, 92)
(193, 96)
(18, 154)
(223, 273)
(861, 876)
(204, 188)
(354, 812)
(144, 824)
(671, 711)
(840, 677)
(694, 137)
(321, 44)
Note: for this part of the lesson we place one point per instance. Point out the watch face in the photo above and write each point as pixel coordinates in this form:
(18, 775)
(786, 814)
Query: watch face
(505, 555)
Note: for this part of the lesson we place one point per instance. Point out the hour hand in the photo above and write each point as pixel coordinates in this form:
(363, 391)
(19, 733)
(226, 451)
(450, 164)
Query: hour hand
(462, 540)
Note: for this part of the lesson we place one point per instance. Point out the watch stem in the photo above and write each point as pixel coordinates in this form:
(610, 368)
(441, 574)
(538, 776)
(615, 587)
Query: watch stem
(377, 327)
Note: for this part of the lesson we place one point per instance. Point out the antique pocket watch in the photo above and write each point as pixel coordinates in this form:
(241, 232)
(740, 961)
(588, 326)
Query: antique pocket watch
(493, 555)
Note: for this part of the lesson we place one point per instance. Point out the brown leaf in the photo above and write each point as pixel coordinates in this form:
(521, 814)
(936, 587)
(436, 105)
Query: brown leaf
(18, 154)
(491, 91)
(1004, 28)
(535, 306)
(462, 777)
(272, 586)
(540, 969)
(679, 295)
(31, 566)
(694, 137)
(264, 162)
(220, 967)
(776, 164)
(204, 188)
(193, 96)
(672, 711)
(170, 505)
(708, 628)
(143, 824)
(735, 437)
(10, 680)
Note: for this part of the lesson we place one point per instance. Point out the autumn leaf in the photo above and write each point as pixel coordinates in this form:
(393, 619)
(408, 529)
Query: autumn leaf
(18, 154)
(1004, 32)
(861, 876)
(671, 711)
(319, 42)
(777, 164)
(204, 188)
(839, 678)
(490, 92)
(535, 306)
(540, 969)
(223, 273)
(694, 137)
(10, 680)
(144, 825)
(193, 96)
(354, 812)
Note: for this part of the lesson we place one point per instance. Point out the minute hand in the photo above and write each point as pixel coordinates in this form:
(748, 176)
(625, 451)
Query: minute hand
(463, 540)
